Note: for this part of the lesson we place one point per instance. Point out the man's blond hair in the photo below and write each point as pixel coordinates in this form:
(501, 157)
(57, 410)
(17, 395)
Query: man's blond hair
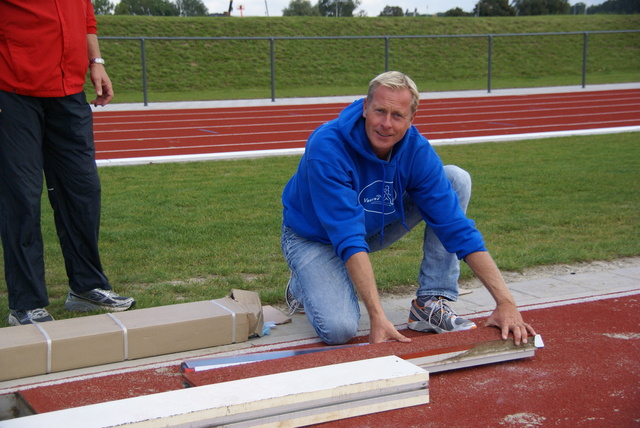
(395, 80)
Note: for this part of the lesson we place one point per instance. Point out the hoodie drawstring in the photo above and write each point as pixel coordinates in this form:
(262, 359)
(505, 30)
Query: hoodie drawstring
(394, 186)
(402, 201)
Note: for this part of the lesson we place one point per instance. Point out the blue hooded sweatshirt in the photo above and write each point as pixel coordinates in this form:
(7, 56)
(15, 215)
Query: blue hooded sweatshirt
(342, 192)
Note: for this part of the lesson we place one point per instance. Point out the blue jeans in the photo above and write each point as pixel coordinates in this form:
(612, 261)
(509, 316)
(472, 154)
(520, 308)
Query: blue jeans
(320, 281)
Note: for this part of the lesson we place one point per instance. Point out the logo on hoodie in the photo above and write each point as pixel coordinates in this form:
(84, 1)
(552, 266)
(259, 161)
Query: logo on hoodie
(378, 197)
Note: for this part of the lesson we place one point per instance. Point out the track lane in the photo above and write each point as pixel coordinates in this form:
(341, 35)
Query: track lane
(219, 130)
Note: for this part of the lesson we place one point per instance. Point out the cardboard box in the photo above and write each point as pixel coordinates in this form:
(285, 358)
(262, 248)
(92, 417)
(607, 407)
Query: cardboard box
(108, 338)
(23, 352)
(83, 342)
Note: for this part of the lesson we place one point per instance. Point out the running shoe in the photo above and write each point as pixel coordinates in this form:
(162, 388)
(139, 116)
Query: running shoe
(98, 299)
(294, 305)
(29, 317)
(436, 316)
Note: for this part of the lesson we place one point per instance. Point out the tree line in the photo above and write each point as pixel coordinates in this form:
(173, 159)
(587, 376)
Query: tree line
(151, 7)
(545, 7)
(346, 8)
(482, 8)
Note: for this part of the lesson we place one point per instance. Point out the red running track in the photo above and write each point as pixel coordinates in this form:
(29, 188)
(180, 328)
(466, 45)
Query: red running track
(587, 375)
(134, 134)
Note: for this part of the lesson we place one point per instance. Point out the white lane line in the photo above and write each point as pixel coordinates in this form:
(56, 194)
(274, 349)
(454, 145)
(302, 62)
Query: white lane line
(299, 151)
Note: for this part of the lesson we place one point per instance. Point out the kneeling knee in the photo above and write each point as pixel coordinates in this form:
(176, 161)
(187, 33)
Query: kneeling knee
(457, 176)
(338, 333)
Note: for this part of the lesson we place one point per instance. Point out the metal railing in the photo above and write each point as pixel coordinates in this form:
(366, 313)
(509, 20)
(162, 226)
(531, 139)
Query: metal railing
(272, 41)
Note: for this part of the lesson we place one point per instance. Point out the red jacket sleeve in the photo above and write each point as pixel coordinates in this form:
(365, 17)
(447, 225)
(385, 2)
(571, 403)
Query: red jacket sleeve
(92, 25)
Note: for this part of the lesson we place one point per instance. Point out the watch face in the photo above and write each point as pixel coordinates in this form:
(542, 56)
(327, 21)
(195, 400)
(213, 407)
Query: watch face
(96, 61)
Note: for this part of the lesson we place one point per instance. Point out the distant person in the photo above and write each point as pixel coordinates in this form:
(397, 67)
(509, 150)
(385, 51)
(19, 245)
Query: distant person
(46, 125)
(366, 179)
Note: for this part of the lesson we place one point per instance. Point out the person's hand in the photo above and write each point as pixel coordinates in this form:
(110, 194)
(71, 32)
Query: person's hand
(102, 85)
(383, 330)
(507, 318)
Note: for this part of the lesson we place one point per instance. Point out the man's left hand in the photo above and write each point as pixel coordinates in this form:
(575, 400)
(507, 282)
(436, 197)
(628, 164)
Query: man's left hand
(102, 84)
(508, 319)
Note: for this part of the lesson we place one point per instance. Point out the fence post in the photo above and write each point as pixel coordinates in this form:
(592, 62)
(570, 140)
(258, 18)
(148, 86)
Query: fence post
(273, 69)
(386, 53)
(584, 59)
(144, 71)
(489, 62)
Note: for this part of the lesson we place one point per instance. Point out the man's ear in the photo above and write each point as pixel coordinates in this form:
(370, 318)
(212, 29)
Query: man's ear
(364, 108)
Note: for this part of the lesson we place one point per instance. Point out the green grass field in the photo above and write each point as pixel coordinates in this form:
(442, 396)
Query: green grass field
(185, 232)
(191, 231)
(183, 70)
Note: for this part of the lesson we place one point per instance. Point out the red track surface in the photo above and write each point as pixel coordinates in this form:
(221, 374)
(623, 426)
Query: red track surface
(217, 130)
(587, 375)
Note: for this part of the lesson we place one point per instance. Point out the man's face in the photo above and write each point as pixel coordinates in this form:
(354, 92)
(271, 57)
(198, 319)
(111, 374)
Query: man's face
(388, 117)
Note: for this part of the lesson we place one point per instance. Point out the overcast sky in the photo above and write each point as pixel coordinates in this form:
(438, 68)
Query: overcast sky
(372, 7)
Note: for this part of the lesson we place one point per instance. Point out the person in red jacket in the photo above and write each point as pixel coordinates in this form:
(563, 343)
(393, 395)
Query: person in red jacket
(46, 126)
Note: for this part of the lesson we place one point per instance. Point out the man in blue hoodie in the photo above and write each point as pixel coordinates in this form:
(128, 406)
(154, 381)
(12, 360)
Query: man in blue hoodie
(366, 179)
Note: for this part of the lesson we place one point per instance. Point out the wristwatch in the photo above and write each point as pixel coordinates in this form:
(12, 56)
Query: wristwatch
(96, 61)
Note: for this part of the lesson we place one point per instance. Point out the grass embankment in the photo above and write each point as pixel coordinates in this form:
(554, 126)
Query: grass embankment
(239, 69)
(174, 233)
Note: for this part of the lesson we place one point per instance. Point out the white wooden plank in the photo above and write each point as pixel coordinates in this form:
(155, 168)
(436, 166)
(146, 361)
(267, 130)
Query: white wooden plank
(494, 351)
(337, 412)
(471, 355)
(265, 396)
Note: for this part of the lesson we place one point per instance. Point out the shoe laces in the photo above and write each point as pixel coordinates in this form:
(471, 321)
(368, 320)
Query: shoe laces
(37, 313)
(294, 305)
(439, 307)
(105, 293)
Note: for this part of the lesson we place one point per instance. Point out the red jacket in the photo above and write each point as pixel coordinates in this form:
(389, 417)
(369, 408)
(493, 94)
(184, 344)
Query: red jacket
(43, 46)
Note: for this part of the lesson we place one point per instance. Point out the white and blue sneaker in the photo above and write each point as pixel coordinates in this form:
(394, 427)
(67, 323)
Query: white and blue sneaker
(436, 316)
(98, 299)
(28, 317)
(294, 305)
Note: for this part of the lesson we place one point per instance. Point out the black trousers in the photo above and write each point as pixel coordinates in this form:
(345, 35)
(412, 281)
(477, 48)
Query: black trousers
(54, 136)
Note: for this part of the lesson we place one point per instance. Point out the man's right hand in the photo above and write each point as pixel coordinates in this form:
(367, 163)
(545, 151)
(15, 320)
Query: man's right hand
(361, 274)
